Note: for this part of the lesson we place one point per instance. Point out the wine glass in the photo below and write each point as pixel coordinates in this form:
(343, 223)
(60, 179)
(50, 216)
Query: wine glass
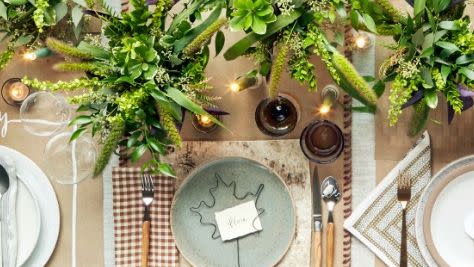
(70, 162)
(44, 113)
(276, 116)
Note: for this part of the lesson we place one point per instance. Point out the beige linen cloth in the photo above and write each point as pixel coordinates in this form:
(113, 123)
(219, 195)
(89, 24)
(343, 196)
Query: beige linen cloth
(376, 222)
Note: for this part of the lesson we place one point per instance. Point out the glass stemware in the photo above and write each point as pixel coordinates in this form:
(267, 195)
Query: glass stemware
(44, 113)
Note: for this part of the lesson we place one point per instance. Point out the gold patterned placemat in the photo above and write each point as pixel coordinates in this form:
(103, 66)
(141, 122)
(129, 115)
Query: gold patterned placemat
(376, 222)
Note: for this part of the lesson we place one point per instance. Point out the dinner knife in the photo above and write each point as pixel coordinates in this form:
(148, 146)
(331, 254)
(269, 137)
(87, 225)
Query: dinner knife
(316, 235)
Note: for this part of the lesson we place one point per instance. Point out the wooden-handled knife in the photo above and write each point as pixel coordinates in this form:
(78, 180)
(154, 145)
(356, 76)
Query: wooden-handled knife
(316, 235)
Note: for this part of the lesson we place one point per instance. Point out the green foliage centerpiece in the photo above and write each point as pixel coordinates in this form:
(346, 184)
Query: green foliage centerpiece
(434, 55)
(28, 23)
(285, 34)
(140, 82)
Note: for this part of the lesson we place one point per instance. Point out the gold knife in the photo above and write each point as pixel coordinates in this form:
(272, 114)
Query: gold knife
(316, 235)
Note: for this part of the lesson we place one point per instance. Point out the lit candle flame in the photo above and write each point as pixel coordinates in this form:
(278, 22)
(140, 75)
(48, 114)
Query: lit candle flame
(29, 56)
(324, 109)
(234, 87)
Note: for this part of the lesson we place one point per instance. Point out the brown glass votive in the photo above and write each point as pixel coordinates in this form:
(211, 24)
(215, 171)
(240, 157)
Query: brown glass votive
(276, 116)
(322, 141)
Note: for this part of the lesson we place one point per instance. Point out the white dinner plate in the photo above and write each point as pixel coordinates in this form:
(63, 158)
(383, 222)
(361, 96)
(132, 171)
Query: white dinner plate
(443, 218)
(28, 222)
(41, 189)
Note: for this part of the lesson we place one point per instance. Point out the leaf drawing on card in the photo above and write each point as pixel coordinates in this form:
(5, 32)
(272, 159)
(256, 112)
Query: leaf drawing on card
(221, 190)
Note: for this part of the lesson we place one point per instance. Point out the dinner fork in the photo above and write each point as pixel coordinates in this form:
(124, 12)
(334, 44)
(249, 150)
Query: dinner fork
(148, 190)
(403, 196)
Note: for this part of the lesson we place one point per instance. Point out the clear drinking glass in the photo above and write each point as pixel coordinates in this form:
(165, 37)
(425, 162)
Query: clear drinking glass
(70, 162)
(44, 113)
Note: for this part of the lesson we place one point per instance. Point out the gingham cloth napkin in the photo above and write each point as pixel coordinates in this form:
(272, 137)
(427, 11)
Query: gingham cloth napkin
(128, 216)
(377, 221)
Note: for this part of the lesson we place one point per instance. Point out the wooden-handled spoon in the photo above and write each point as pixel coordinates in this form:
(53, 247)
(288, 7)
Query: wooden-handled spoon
(331, 195)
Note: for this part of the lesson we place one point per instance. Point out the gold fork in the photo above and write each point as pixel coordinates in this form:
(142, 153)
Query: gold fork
(403, 195)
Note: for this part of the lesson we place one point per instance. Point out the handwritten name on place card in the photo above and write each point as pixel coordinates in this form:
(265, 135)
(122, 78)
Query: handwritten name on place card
(238, 221)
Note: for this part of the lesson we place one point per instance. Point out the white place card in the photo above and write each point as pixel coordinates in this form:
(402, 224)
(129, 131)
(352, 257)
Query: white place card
(238, 221)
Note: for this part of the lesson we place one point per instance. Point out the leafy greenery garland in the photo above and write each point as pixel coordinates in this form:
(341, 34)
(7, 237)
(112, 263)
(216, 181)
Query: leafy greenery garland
(433, 55)
(28, 23)
(300, 25)
(138, 85)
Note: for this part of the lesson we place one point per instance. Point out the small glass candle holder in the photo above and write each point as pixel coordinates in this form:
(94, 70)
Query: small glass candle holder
(322, 141)
(14, 92)
(276, 116)
(329, 95)
(246, 83)
(204, 124)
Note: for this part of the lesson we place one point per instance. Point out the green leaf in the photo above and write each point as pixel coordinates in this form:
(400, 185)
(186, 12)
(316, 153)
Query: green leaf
(3, 11)
(258, 25)
(184, 15)
(155, 145)
(61, 10)
(431, 99)
(96, 51)
(245, 43)
(166, 169)
(465, 59)
(138, 153)
(219, 42)
(419, 6)
(448, 25)
(440, 5)
(447, 45)
(82, 119)
(132, 140)
(190, 35)
(185, 102)
(370, 23)
(379, 88)
(76, 15)
(427, 52)
(23, 40)
(418, 38)
(431, 38)
(77, 133)
(445, 71)
(467, 72)
(426, 75)
(80, 2)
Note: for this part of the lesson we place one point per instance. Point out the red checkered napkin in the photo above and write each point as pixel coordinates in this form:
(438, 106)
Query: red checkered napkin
(128, 217)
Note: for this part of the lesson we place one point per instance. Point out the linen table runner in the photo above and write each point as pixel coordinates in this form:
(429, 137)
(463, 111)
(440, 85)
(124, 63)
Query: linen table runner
(128, 216)
(377, 220)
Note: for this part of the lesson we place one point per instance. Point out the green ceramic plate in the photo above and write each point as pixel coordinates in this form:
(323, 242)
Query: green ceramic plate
(194, 239)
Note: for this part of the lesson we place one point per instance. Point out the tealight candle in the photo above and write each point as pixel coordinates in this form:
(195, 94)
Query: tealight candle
(14, 91)
(204, 123)
(246, 82)
(361, 40)
(329, 94)
(40, 53)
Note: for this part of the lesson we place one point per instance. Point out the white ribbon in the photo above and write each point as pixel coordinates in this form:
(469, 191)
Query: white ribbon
(4, 119)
